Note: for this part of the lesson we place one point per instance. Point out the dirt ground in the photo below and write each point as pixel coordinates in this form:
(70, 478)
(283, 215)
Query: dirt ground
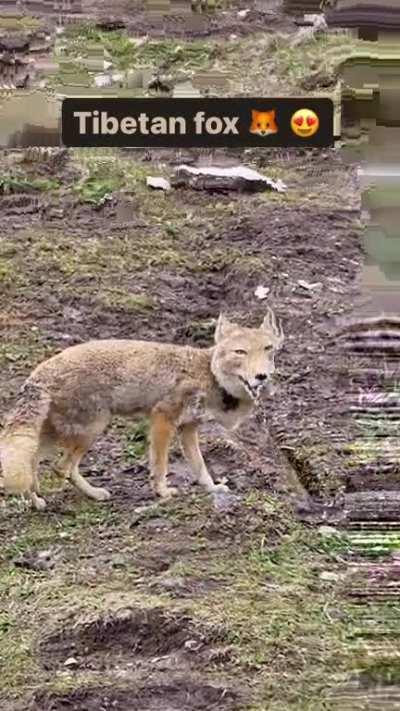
(195, 603)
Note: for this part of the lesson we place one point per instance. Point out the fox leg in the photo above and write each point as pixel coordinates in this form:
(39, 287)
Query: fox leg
(62, 470)
(34, 495)
(73, 451)
(71, 461)
(162, 431)
(190, 446)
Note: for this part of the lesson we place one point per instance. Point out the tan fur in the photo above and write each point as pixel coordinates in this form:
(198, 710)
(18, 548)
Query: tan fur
(69, 400)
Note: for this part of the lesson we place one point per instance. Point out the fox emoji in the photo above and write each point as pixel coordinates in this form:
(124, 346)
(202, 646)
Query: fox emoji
(263, 123)
(69, 399)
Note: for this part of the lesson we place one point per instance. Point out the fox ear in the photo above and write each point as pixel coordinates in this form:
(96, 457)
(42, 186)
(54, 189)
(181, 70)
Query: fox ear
(273, 113)
(223, 327)
(253, 113)
(273, 327)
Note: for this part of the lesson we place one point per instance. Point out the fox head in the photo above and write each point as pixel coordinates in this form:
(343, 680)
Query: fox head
(263, 123)
(243, 358)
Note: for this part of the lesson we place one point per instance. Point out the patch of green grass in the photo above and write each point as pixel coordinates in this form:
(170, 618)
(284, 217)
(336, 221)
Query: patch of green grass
(20, 183)
(249, 264)
(122, 50)
(383, 672)
(336, 543)
(27, 350)
(120, 298)
(38, 533)
(7, 272)
(105, 175)
(87, 513)
(95, 189)
(136, 441)
(368, 449)
(288, 65)
(19, 24)
(101, 258)
(168, 53)
(84, 40)
(125, 52)
(17, 660)
(210, 6)
(216, 260)
(274, 614)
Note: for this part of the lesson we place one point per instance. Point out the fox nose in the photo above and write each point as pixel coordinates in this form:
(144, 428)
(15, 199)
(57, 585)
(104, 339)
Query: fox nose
(261, 377)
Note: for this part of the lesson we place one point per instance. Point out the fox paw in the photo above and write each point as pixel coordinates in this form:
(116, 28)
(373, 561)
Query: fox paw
(38, 503)
(100, 494)
(167, 492)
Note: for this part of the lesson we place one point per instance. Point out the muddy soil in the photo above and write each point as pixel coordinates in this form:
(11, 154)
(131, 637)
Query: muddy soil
(265, 16)
(187, 694)
(137, 634)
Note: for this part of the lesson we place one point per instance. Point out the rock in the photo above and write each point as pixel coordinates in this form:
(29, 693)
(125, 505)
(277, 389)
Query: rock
(171, 584)
(71, 663)
(261, 292)
(215, 179)
(328, 576)
(103, 80)
(308, 286)
(328, 531)
(193, 645)
(55, 213)
(158, 183)
(118, 561)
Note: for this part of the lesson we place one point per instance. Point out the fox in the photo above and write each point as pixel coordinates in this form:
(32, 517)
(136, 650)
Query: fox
(69, 400)
(263, 123)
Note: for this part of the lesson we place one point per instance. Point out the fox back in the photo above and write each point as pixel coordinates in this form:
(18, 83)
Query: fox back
(263, 123)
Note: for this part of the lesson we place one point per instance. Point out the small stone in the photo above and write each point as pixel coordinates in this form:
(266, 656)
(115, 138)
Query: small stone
(158, 183)
(102, 80)
(261, 292)
(118, 561)
(328, 531)
(71, 662)
(308, 286)
(172, 583)
(193, 645)
(329, 576)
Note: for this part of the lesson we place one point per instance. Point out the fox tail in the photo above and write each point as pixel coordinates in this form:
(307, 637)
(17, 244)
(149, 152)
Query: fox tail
(19, 443)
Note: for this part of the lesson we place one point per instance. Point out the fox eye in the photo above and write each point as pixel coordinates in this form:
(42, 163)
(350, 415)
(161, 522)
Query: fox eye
(268, 348)
(258, 125)
(240, 351)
